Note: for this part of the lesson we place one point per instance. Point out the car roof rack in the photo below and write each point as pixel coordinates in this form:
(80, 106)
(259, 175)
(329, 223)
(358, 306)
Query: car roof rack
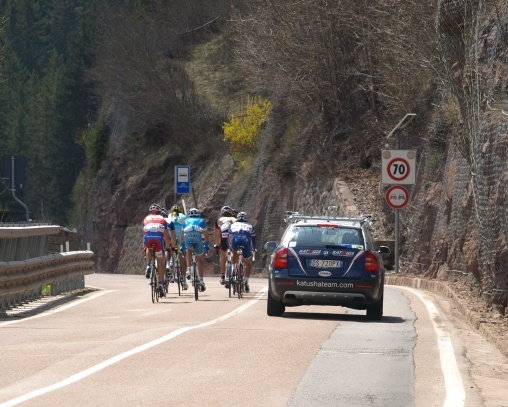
(293, 217)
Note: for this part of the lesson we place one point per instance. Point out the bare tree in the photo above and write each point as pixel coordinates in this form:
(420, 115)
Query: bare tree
(140, 61)
(340, 56)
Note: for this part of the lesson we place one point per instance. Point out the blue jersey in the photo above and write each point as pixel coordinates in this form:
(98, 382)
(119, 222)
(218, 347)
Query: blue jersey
(193, 232)
(194, 226)
(177, 222)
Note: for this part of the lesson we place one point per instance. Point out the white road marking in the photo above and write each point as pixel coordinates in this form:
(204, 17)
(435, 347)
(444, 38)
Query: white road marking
(454, 387)
(94, 369)
(56, 310)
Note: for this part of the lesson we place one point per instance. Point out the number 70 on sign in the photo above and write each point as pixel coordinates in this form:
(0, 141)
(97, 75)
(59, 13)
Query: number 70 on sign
(398, 167)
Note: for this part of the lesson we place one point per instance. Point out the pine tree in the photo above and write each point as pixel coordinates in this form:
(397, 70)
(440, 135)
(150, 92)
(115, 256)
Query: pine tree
(44, 100)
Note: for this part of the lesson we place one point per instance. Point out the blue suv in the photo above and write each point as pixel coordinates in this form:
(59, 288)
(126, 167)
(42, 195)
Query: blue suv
(326, 261)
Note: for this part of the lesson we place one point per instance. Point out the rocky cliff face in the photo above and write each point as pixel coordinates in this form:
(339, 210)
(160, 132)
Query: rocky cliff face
(456, 226)
(262, 192)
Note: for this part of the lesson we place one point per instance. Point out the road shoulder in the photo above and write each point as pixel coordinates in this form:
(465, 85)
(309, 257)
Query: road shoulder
(483, 366)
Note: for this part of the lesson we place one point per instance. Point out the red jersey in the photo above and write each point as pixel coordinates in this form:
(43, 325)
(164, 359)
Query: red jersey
(154, 224)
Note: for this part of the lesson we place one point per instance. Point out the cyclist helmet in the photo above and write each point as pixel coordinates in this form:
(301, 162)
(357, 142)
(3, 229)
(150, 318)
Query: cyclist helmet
(176, 209)
(242, 216)
(164, 212)
(194, 213)
(155, 208)
(226, 211)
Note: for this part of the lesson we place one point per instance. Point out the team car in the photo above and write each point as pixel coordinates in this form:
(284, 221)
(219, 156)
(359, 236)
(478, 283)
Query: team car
(324, 260)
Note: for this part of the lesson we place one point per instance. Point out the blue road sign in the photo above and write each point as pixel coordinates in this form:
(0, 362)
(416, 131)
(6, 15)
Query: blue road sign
(182, 179)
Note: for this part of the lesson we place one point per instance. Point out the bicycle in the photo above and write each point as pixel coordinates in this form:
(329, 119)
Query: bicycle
(229, 272)
(194, 275)
(173, 272)
(238, 273)
(153, 277)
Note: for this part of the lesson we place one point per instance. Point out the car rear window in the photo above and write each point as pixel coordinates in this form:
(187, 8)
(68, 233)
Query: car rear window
(322, 236)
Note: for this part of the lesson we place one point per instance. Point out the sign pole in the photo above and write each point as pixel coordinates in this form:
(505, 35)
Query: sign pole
(397, 219)
(13, 185)
(174, 188)
(397, 234)
(405, 120)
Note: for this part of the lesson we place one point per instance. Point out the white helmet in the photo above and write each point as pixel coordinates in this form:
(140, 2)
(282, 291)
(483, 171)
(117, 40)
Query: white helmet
(194, 213)
(154, 208)
(242, 216)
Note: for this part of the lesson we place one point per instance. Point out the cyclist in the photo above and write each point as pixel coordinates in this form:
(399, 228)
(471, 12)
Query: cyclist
(221, 233)
(177, 217)
(155, 232)
(196, 238)
(242, 234)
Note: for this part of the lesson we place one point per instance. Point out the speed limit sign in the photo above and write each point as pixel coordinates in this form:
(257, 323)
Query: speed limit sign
(398, 167)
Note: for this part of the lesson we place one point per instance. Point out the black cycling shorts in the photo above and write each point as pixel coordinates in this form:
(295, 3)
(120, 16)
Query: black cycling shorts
(224, 243)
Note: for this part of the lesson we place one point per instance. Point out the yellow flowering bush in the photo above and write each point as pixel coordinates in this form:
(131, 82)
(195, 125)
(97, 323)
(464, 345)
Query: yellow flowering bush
(242, 130)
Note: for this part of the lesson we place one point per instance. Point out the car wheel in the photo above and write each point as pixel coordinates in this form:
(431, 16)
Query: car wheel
(274, 308)
(375, 312)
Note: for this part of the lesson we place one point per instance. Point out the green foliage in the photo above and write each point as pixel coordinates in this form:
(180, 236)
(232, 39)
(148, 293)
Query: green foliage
(242, 131)
(44, 100)
(94, 141)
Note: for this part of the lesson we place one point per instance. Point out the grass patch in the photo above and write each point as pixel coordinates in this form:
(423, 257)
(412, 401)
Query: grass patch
(218, 82)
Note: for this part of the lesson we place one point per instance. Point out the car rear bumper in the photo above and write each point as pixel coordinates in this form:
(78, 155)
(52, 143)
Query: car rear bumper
(350, 294)
(350, 300)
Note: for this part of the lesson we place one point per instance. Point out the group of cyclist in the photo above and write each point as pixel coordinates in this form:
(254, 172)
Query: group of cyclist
(185, 234)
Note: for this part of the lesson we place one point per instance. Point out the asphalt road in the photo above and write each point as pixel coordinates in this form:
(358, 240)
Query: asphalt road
(113, 347)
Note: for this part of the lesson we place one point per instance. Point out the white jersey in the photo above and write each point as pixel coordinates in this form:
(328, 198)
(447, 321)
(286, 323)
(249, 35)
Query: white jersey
(224, 224)
(242, 228)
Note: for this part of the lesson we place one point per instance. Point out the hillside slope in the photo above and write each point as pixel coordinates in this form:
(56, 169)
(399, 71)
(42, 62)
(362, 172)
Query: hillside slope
(456, 226)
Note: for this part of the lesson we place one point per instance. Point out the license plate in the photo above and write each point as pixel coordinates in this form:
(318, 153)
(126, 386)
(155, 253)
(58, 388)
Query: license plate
(326, 263)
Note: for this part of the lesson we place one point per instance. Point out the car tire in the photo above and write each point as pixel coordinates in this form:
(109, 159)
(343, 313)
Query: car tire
(274, 308)
(375, 312)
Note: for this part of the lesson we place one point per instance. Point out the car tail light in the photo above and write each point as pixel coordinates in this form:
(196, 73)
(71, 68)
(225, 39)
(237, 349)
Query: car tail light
(371, 263)
(280, 259)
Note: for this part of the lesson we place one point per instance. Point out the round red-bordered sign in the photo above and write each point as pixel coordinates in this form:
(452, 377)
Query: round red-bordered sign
(398, 169)
(397, 196)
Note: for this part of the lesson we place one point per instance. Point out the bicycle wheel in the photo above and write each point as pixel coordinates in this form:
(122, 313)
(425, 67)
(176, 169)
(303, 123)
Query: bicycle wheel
(229, 277)
(240, 281)
(177, 275)
(234, 278)
(153, 284)
(195, 280)
(167, 277)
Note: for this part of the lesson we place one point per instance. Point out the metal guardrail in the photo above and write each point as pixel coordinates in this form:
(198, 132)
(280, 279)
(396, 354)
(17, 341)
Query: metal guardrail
(26, 268)
(18, 242)
(23, 280)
